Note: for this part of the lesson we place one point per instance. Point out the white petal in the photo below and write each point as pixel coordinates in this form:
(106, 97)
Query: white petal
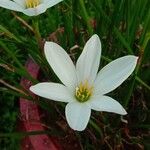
(50, 3)
(88, 62)
(10, 5)
(78, 115)
(35, 11)
(61, 63)
(113, 74)
(21, 3)
(105, 103)
(52, 91)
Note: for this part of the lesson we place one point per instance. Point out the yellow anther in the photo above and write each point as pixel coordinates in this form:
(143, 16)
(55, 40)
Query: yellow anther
(32, 3)
(83, 91)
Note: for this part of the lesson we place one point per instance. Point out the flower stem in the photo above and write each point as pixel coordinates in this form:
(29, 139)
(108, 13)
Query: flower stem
(86, 17)
(36, 31)
(141, 52)
(96, 127)
(22, 70)
(142, 82)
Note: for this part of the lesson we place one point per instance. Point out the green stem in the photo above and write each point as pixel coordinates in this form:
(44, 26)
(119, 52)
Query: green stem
(142, 82)
(96, 127)
(9, 34)
(36, 31)
(22, 69)
(127, 98)
(86, 17)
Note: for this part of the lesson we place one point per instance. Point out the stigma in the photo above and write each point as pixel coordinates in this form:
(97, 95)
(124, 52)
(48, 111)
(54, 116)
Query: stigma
(83, 92)
(32, 3)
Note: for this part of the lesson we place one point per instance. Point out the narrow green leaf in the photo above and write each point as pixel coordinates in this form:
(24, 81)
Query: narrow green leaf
(9, 34)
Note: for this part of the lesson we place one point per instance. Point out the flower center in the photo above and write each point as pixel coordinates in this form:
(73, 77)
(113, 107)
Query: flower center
(32, 3)
(83, 92)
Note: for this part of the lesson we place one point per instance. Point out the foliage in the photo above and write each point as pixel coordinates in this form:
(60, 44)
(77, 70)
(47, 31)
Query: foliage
(124, 28)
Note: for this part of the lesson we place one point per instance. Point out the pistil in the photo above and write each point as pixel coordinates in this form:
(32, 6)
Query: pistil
(83, 91)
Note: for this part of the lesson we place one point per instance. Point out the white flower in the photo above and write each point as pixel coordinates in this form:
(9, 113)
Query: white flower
(83, 88)
(29, 7)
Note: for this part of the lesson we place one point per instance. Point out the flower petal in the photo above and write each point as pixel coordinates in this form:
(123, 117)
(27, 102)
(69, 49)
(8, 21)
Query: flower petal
(113, 74)
(50, 3)
(52, 91)
(77, 115)
(21, 3)
(35, 11)
(61, 63)
(108, 104)
(88, 62)
(10, 5)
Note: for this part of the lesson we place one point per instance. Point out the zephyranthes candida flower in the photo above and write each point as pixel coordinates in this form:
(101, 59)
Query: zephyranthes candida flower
(29, 7)
(83, 87)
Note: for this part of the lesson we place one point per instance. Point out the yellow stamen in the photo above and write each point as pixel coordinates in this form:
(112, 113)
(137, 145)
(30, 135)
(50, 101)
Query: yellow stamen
(83, 91)
(32, 3)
